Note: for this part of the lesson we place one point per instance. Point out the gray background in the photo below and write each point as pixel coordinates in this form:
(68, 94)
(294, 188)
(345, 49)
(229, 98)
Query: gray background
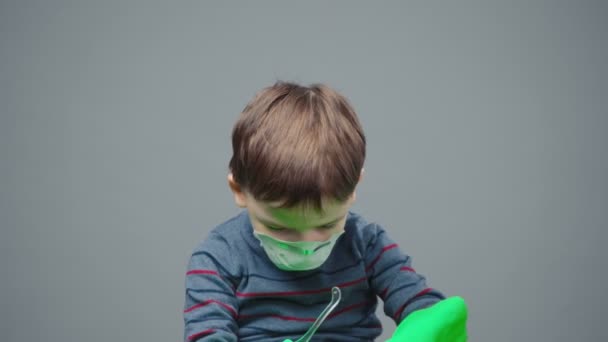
(487, 151)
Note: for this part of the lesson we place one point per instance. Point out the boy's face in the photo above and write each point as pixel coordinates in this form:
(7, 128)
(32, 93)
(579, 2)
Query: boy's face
(292, 224)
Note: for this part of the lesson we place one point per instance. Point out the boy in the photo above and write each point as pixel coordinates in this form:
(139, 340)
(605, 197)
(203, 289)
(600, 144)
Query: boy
(267, 273)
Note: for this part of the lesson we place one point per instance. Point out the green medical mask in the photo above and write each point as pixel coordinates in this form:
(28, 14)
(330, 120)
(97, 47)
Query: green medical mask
(298, 255)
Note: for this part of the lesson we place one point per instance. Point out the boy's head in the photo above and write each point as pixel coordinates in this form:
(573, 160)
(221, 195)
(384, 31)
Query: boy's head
(298, 155)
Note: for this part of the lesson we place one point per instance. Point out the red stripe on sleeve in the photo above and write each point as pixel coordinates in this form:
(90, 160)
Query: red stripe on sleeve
(421, 293)
(383, 293)
(202, 272)
(207, 302)
(200, 334)
(380, 255)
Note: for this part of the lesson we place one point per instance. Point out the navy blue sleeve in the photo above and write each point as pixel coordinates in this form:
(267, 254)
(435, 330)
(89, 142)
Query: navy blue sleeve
(393, 278)
(211, 306)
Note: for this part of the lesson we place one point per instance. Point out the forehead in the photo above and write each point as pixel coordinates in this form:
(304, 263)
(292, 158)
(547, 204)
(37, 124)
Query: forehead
(300, 216)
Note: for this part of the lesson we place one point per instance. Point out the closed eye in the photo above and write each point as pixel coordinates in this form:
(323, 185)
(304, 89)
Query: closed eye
(327, 226)
(280, 229)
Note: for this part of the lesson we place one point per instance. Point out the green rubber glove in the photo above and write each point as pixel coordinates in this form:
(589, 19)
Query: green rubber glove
(445, 321)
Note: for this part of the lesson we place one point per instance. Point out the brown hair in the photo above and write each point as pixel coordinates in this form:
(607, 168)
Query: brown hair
(298, 145)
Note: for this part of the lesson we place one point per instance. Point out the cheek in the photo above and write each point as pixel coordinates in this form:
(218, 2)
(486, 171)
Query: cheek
(258, 226)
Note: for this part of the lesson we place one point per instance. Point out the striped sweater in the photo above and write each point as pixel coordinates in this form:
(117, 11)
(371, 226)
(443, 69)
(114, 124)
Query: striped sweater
(235, 293)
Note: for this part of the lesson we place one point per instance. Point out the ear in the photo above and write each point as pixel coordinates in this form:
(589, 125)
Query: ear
(354, 195)
(239, 195)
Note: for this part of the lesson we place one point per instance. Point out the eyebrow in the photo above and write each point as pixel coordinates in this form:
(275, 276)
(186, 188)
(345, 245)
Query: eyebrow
(280, 226)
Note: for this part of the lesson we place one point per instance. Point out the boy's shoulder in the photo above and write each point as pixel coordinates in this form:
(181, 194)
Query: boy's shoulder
(222, 249)
(362, 231)
(228, 234)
